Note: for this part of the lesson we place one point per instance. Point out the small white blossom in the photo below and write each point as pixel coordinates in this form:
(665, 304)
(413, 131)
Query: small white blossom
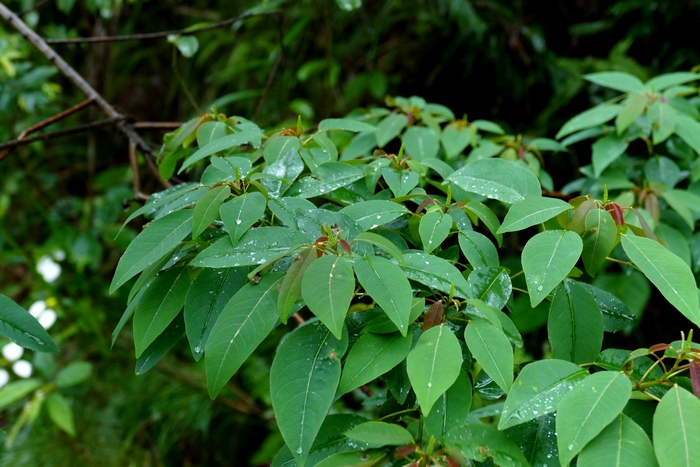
(37, 308)
(47, 318)
(4, 377)
(48, 268)
(22, 368)
(12, 352)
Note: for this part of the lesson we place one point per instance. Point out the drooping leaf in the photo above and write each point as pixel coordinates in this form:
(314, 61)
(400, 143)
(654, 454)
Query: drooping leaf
(383, 243)
(156, 240)
(433, 229)
(589, 118)
(386, 283)
(532, 211)
(620, 444)
(485, 125)
(161, 345)
(160, 199)
(598, 239)
(670, 274)
(436, 273)
(241, 213)
(303, 380)
(616, 315)
(16, 390)
(497, 179)
(676, 430)
(433, 365)
(492, 349)
(22, 328)
(389, 128)
(244, 322)
(373, 213)
(451, 409)
(479, 250)
(547, 259)
(616, 80)
(661, 82)
(347, 124)
(538, 389)
(290, 289)
(327, 287)
(206, 210)
(689, 131)
(585, 411)
(60, 412)
(379, 434)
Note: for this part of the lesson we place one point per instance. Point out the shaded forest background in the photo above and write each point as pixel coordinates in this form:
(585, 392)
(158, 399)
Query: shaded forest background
(518, 63)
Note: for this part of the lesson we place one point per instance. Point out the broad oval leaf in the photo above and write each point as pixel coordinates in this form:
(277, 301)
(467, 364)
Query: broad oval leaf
(16, 390)
(244, 322)
(206, 210)
(598, 239)
(372, 356)
(492, 349)
(379, 434)
(277, 147)
(547, 259)
(303, 379)
(585, 411)
(326, 178)
(605, 151)
(421, 143)
(532, 211)
(492, 285)
(455, 140)
(589, 118)
(18, 325)
(386, 283)
(433, 365)
(478, 249)
(346, 124)
(241, 213)
(401, 182)
(616, 315)
(497, 179)
(60, 412)
(670, 274)
(434, 228)
(616, 80)
(156, 240)
(676, 429)
(436, 273)
(327, 287)
(575, 325)
(373, 213)
(620, 444)
(389, 128)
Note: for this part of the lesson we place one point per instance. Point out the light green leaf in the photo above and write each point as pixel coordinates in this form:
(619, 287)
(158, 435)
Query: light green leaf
(327, 287)
(185, 131)
(538, 389)
(590, 118)
(73, 373)
(436, 273)
(485, 125)
(400, 182)
(206, 210)
(347, 124)
(389, 128)
(497, 179)
(326, 178)
(670, 274)
(372, 356)
(60, 412)
(207, 296)
(159, 305)
(221, 144)
(434, 228)
(303, 380)
(244, 322)
(187, 45)
(16, 390)
(383, 243)
(433, 365)
(616, 80)
(21, 327)
(676, 199)
(156, 240)
(421, 143)
(275, 148)
(585, 411)
(676, 429)
(373, 213)
(479, 250)
(689, 131)
(327, 145)
(488, 217)
(598, 239)
(236, 168)
(290, 289)
(575, 324)
(210, 131)
(620, 444)
(241, 213)
(661, 82)
(632, 110)
(455, 140)
(492, 349)
(379, 434)
(532, 211)
(547, 259)
(605, 151)
(663, 119)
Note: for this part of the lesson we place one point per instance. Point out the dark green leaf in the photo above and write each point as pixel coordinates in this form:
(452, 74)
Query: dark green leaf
(620, 444)
(479, 442)
(18, 325)
(290, 289)
(436, 273)
(492, 285)
(379, 434)
(206, 210)
(451, 409)
(241, 213)
(164, 342)
(479, 250)
(598, 239)
(221, 144)
(328, 287)
(497, 179)
(492, 349)
(589, 118)
(433, 229)
(373, 213)
(532, 211)
(676, 429)
(616, 315)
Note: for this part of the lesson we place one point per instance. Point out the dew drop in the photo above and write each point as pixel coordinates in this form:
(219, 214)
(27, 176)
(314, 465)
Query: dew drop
(539, 288)
(300, 450)
(238, 222)
(570, 447)
(430, 385)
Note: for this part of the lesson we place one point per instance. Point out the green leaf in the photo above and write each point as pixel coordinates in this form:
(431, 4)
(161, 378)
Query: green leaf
(605, 151)
(326, 145)
(386, 283)
(433, 365)
(661, 82)
(421, 143)
(241, 213)
(206, 210)
(159, 305)
(575, 325)
(488, 217)
(326, 178)
(632, 110)
(222, 144)
(667, 272)
(157, 239)
(236, 168)
(290, 289)
(276, 148)
(379, 434)
(455, 140)
(485, 125)
(210, 131)
(451, 409)
(389, 128)
(616, 80)
(538, 440)
(244, 322)
(372, 356)
(663, 120)
(73, 373)
(21, 327)
(185, 131)
(492, 285)
(373, 213)
(383, 243)
(346, 124)
(479, 442)
(400, 182)
(598, 239)
(207, 296)
(676, 199)
(676, 429)
(187, 45)
(163, 343)
(436, 273)
(16, 390)
(547, 259)
(303, 380)
(497, 179)
(538, 389)
(479, 250)
(590, 118)
(616, 315)
(128, 313)
(532, 211)
(434, 228)
(689, 131)
(620, 444)
(327, 287)
(257, 246)
(60, 412)
(492, 349)
(585, 411)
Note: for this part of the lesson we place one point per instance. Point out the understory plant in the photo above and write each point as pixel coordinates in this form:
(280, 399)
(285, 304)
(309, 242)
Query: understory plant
(393, 263)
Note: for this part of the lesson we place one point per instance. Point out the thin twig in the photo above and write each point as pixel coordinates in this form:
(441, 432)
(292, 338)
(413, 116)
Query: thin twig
(138, 194)
(161, 34)
(157, 125)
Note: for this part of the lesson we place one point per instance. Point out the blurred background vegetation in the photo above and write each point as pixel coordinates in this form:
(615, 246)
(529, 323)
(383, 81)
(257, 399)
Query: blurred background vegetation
(518, 63)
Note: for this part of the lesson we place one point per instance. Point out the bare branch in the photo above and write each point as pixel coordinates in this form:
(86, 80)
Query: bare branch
(161, 34)
(157, 125)
(273, 72)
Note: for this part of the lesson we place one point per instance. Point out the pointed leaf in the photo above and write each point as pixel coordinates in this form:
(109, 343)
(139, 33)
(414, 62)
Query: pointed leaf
(676, 429)
(389, 128)
(451, 409)
(616, 80)
(379, 434)
(206, 210)
(492, 285)
(16, 390)
(346, 124)
(290, 289)
(383, 243)
(532, 211)
(221, 144)
(492, 349)
(497, 179)
(589, 118)
(455, 140)
(22, 328)
(400, 182)
(326, 178)
(661, 82)
(421, 143)
(327, 287)
(436, 273)
(373, 213)
(479, 250)
(279, 146)
(164, 342)
(241, 213)
(616, 315)
(605, 151)
(538, 440)
(485, 125)
(487, 216)
(60, 412)
(632, 110)
(689, 131)
(620, 444)
(160, 199)
(479, 442)
(598, 239)
(434, 228)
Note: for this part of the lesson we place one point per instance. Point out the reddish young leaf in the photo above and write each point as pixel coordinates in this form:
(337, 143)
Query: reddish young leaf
(658, 347)
(434, 315)
(616, 212)
(404, 451)
(345, 246)
(695, 378)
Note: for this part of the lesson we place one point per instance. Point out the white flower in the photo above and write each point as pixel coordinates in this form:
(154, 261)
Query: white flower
(22, 368)
(47, 318)
(59, 255)
(4, 377)
(48, 268)
(12, 352)
(37, 308)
